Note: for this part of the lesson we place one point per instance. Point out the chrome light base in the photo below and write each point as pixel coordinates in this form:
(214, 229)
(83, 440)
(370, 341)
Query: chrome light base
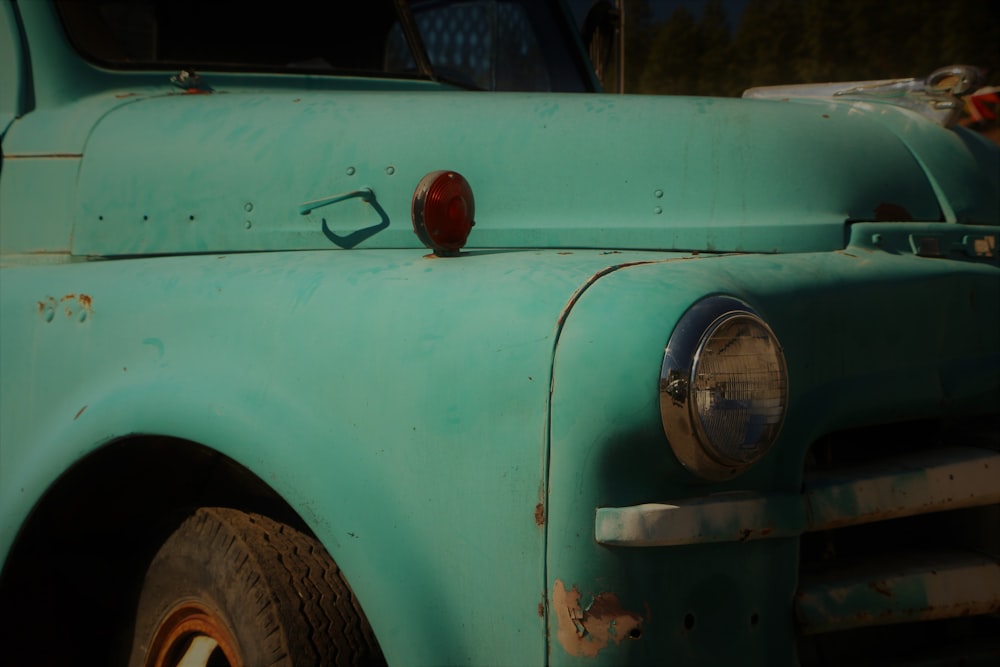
(723, 388)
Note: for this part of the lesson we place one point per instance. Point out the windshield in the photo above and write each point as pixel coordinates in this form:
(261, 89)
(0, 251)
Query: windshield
(485, 44)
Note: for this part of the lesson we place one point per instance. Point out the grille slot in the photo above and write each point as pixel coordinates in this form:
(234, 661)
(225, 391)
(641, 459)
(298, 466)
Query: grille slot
(902, 544)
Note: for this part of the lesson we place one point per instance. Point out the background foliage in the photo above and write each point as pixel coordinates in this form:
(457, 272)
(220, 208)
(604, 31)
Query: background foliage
(800, 41)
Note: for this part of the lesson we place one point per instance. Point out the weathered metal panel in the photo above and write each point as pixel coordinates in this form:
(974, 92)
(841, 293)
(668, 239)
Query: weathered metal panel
(12, 83)
(449, 427)
(917, 483)
(910, 588)
(964, 186)
(298, 146)
(729, 517)
(336, 382)
(729, 602)
(33, 189)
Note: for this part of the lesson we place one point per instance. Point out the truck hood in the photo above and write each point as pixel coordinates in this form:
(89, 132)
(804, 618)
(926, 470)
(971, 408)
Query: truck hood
(227, 171)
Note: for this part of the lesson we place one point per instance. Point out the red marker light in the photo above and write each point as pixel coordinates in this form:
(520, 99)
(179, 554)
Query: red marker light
(443, 211)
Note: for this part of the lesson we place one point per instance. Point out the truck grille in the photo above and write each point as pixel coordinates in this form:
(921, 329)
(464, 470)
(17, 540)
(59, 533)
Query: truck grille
(900, 562)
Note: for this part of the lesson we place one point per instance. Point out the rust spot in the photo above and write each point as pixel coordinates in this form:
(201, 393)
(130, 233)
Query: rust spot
(585, 632)
(539, 515)
(123, 95)
(564, 253)
(85, 301)
(79, 413)
(892, 212)
(541, 610)
(766, 531)
(745, 534)
(880, 588)
(68, 297)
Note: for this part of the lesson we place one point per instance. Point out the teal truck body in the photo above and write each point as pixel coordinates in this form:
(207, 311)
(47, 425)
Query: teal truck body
(213, 297)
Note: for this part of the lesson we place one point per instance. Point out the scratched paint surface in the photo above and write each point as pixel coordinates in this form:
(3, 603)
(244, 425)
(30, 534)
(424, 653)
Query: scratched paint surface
(397, 414)
(722, 198)
(449, 427)
(731, 602)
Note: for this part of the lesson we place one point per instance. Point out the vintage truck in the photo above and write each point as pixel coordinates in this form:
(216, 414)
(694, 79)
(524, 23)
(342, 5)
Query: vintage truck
(389, 294)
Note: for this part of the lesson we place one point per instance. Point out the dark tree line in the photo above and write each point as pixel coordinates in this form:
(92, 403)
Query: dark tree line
(801, 41)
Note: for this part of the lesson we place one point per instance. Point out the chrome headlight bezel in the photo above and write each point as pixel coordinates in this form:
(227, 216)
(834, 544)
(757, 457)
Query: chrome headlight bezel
(685, 400)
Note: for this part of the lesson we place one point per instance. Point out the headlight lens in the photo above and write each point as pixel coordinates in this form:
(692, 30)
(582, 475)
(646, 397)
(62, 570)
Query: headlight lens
(723, 388)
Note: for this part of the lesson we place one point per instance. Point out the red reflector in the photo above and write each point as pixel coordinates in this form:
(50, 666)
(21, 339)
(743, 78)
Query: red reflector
(444, 211)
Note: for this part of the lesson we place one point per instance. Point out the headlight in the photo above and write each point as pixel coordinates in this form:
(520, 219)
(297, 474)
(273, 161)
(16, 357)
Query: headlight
(723, 388)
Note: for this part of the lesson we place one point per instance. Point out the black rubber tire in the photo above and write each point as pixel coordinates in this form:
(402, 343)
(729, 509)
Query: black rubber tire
(272, 593)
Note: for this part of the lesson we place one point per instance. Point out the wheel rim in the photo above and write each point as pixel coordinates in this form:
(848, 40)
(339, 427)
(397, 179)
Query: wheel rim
(192, 636)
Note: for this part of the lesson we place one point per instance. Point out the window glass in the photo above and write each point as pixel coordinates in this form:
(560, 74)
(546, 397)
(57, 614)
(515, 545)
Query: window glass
(486, 44)
(294, 35)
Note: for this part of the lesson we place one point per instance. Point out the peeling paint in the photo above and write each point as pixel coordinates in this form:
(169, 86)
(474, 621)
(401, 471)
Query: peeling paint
(929, 481)
(905, 589)
(585, 632)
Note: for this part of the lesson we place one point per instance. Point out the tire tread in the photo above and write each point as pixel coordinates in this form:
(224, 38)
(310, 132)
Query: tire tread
(301, 608)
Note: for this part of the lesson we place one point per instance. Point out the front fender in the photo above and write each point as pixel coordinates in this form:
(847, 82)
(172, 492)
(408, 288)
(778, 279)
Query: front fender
(398, 403)
(869, 336)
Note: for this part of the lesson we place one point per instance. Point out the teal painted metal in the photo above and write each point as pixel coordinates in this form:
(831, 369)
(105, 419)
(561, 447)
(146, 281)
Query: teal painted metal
(297, 378)
(449, 427)
(918, 484)
(34, 187)
(611, 453)
(726, 517)
(724, 196)
(12, 93)
(908, 590)
(964, 188)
